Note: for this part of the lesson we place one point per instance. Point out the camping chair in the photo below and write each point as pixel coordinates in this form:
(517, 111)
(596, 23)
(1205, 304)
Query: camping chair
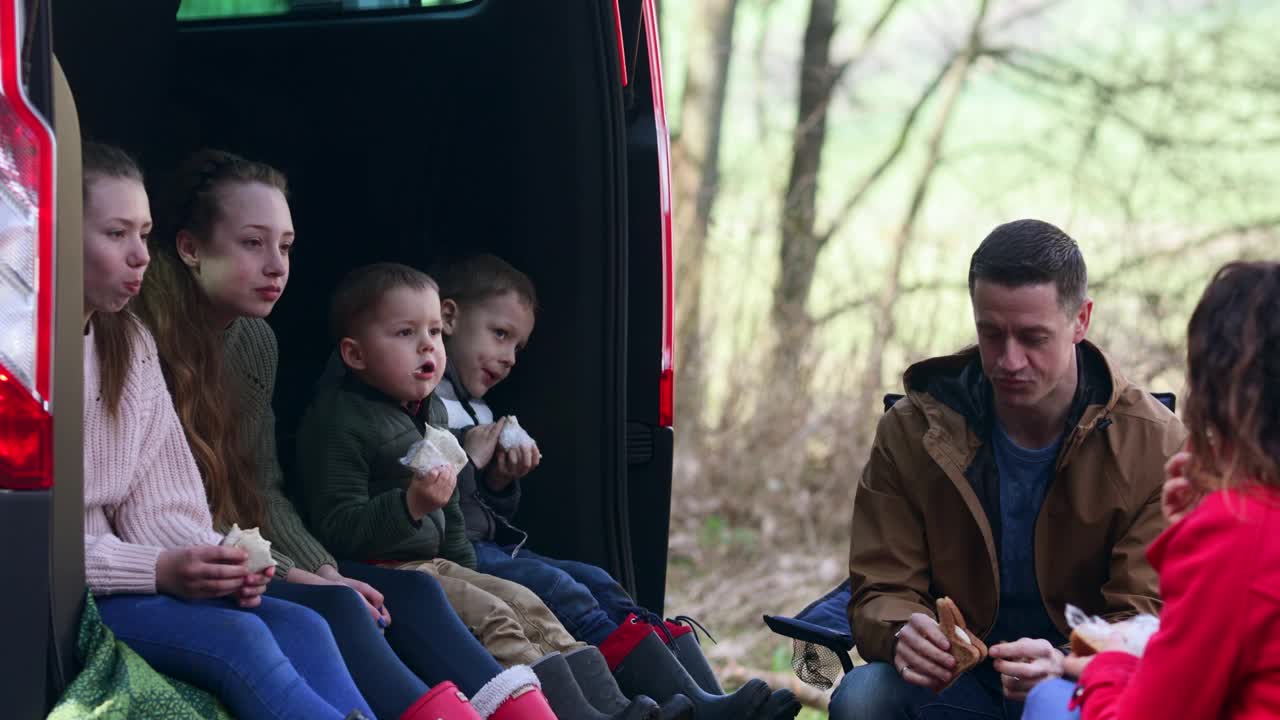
(821, 637)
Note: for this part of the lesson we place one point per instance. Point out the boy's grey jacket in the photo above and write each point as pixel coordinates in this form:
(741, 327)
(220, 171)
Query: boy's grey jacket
(488, 514)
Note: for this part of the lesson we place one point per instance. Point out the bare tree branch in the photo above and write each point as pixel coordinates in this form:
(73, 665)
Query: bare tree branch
(868, 39)
(1236, 229)
(760, 62)
(899, 144)
(860, 303)
(1057, 72)
(883, 319)
(835, 73)
(1026, 13)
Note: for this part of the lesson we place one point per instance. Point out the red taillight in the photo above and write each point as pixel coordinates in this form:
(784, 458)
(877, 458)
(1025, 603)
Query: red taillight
(666, 381)
(622, 47)
(26, 438)
(26, 273)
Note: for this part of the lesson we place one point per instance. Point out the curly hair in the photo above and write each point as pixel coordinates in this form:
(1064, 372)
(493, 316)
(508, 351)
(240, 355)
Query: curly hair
(180, 316)
(1233, 378)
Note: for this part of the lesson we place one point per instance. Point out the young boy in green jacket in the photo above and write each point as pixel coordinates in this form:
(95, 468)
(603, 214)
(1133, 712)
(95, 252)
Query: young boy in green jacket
(362, 502)
(365, 504)
(488, 311)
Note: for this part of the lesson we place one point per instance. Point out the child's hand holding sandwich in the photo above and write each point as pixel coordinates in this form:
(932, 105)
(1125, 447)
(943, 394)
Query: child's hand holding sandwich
(429, 491)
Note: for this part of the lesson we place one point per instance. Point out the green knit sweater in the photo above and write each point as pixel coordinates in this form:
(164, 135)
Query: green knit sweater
(350, 443)
(251, 358)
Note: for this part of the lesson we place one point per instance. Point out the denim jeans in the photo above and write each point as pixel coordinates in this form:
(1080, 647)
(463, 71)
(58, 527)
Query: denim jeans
(876, 692)
(1049, 700)
(389, 685)
(586, 599)
(425, 631)
(276, 661)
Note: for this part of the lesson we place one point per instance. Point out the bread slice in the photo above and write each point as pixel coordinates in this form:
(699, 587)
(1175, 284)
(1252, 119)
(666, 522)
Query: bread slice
(1088, 639)
(966, 647)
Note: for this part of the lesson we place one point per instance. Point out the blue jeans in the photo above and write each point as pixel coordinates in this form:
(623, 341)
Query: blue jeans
(276, 661)
(585, 599)
(390, 686)
(876, 692)
(1049, 699)
(425, 631)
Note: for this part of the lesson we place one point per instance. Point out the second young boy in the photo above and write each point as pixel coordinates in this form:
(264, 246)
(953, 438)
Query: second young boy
(488, 310)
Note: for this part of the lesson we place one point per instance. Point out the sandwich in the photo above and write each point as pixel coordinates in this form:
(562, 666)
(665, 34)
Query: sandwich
(514, 436)
(436, 448)
(966, 647)
(1089, 639)
(252, 542)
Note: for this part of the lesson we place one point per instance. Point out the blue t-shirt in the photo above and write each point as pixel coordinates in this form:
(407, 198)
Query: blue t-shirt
(1024, 479)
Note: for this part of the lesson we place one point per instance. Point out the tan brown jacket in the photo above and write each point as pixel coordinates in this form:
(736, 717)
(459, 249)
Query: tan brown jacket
(922, 518)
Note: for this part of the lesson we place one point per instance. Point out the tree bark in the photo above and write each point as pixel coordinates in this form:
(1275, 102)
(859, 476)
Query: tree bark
(801, 240)
(800, 244)
(696, 169)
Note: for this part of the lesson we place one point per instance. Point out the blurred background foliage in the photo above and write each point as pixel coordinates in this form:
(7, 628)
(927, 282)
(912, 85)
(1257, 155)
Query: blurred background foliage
(836, 163)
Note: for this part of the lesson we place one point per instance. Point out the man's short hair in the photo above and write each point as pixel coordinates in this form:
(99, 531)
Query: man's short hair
(480, 277)
(1031, 252)
(359, 293)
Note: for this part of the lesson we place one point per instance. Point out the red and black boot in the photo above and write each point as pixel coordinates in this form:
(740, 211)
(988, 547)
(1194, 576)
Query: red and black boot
(643, 665)
(682, 639)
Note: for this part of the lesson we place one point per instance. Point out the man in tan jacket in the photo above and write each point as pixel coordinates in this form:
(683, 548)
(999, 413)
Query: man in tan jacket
(1015, 477)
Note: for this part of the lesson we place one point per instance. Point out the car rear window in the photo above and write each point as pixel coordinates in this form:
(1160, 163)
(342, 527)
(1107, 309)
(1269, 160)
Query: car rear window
(225, 9)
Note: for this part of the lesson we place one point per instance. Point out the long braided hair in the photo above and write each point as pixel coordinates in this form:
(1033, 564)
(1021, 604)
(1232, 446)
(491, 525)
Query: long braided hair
(181, 317)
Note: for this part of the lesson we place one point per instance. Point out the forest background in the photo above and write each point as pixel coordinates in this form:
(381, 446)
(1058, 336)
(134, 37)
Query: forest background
(836, 163)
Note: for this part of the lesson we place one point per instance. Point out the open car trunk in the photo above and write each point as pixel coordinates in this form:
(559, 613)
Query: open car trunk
(417, 134)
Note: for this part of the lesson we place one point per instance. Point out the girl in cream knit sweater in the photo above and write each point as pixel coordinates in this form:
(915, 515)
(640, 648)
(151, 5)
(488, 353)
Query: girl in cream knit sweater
(163, 584)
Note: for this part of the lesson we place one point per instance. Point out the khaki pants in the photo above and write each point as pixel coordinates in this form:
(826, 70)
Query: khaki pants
(511, 622)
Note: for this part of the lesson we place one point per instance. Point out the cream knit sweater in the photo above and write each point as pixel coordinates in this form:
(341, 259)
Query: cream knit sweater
(142, 489)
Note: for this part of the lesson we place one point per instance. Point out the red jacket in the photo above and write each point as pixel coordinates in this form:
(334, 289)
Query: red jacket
(1217, 654)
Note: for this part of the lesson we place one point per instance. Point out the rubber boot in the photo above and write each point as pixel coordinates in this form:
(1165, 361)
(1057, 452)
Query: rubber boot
(684, 643)
(515, 694)
(442, 702)
(601, 689)
(781, 705)
(566, 697)
(643, 665)
(677, 707)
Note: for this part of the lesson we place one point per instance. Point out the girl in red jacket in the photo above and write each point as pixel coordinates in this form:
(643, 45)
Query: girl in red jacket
(1217, 653)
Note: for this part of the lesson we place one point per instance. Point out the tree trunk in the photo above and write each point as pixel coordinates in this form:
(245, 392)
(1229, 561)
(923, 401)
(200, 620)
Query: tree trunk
(800, 242)
(696, 169)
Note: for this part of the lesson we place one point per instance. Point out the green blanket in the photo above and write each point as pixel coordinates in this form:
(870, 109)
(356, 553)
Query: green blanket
(117, 684)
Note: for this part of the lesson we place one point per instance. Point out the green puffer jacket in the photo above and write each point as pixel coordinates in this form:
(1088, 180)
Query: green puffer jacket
(352, 483)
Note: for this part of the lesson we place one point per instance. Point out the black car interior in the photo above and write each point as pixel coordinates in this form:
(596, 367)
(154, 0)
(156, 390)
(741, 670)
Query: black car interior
(419, 134)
